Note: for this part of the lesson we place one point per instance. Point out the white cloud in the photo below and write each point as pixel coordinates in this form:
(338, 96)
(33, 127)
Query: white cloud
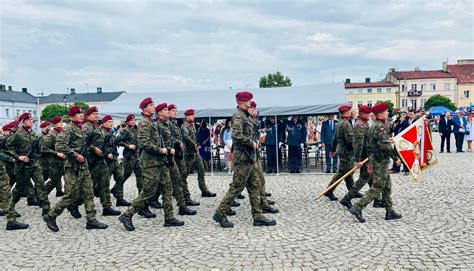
(321, 37)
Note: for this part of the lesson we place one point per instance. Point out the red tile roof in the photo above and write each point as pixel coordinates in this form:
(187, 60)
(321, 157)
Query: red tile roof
(371, 84)
(421, 74)
(464, 72)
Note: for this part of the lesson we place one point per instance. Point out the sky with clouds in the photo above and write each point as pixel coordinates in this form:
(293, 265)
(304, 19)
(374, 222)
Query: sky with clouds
(144, 46)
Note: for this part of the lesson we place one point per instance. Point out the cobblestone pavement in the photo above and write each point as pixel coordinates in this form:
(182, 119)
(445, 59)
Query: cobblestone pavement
(436, 231)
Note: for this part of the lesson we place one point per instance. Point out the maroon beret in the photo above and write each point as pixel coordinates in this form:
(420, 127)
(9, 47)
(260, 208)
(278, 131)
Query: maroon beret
(145, 102)
(56, 119)
(379, 107)
(91, 110)
(74, 110)
(45, 124)
(365, 109)
(344, 108)
(160, 107)
(172, 106)
(106, 118)
(10, 125)
(24, 116)
(244, 96)
(253, 104)
(189, 112)
(130, 117)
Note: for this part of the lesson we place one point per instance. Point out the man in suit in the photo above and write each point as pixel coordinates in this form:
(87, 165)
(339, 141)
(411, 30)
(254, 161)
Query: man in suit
(403, 125)
(353, 118)
(445, 130)
(328, 130)
(459, 130)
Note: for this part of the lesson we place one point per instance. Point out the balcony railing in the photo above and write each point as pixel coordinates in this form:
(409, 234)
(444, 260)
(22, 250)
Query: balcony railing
(414, 93)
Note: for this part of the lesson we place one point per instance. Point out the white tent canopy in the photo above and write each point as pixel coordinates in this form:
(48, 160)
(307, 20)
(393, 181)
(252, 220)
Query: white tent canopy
(282, 101)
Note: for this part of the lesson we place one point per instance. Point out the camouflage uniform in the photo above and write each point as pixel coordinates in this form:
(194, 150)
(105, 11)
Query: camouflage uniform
(343, 145)
(53, 166)
(155, 173)
(115, 167)
(6, 198)
(261, 178)
(179, 158)
(18, 145)
(77, 179)
(131, 162)
(98, 166)
(245, 173)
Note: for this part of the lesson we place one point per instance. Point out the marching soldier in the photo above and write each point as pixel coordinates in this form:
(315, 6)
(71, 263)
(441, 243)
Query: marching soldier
(23, 145)
(381, 151)
(99, 170)
(192, 157)
(78, 183)
(155, 173)
(179, 155)
(245, 174)
(116, 168)
(343, 145)
(361, 142)
(53, 161)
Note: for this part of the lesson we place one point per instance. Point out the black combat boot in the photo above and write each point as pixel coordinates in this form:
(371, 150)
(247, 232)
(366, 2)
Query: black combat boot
(268, 194)
(51, 223)
(263, 221)
(122, 202)
(271, 202)
(270, 210)
(74, 211)
(240, 196)
(127, 222)
(184, 210)
(231, 212)
(331, 196)
(32, 202)
(357, 214)
(173, 223)
(358, 195)
(392, 215)
(108, 211)
(190, 202)
(208, 194)
(44, 211)
(378, 204)
(346, 202)
(222, 220)
(15, 225)
(234, 203)
(146, 213)
(156, 205)
(94, 224)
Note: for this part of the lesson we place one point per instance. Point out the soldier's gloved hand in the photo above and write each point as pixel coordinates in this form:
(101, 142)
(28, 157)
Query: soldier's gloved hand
(61, 155)
(391, 141)
(332, 154)
(172, 151)
(80, 158)
(164, 150)
(132, 147)
(370, 169)
(24, 159)
(98, 151)
(110, 156)
(398, 162)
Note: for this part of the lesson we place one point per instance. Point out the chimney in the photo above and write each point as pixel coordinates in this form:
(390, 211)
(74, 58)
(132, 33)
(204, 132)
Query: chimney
(99, 90)
(73, 91)
(348, 80)
(367, 80)
(2, 88)
(391, 70)
(24, 90)
(445, 66)
(10, 88)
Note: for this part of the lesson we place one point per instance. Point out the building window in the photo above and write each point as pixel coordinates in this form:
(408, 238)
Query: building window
(350, 91)
(379, 90)
(18, 112)
(350, 103)
(466, 94)
(404, 102)
(422, 102)
(388, 90)
(447, 86)
(433, 86)
(413, 104)
(369, 90)
(7, 112)
(369, 103)
(360, 90)
(403, 87)
(34, 113)
(359, 103)
(423, 86)
(413, 86)
(24, 110)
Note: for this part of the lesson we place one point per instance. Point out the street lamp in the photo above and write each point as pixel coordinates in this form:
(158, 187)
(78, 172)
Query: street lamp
(65, 101)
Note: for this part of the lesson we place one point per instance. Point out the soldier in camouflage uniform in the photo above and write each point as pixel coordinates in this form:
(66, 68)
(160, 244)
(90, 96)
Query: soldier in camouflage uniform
(155, 173)
(53, 161)
(116, 168)
(100, 153)
(19, 145)
(168, 135)
(245, 174)
(380, 152)
(361, 142)
(77, 180)
(192, 157)
(343, 145)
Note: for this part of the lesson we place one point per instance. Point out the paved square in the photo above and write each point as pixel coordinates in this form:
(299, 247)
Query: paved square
(436, 230)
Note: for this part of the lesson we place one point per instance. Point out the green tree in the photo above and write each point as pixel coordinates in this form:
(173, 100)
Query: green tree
(51, 111)
(83, 105)
(439, 100)
(390, 107)
(275, 80)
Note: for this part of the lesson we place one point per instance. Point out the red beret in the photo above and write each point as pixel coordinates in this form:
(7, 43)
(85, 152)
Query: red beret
(145, 102)
(253, 104)
(379, 107)
(10, 125)
(344, 108)
(56, 119)
(91, 110)
(24, 116)
(244, 96)
(106, 118)
(172, 106)
(160, 107)
(74, 110)
(130, 117)
(365, 109)
(189, 112)
(45, 124)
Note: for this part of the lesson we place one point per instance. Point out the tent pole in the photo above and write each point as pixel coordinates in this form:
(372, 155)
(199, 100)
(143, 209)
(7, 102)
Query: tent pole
(276, 145)
(210, 142)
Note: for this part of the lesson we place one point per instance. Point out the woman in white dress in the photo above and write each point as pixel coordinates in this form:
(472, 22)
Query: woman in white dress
(227, 138)
(469, 132)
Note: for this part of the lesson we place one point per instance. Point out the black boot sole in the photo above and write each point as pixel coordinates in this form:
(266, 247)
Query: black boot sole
(261, 223)
(131, 228)
(360, 219)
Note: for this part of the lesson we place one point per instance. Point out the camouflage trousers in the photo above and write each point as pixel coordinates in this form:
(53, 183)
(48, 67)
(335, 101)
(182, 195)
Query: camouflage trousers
(78, 188)
(195, 161)
(101, 182)
(176, 183)
(245, 176)
(345, 165)
(364, 178)
(181, 163)
(154, 178)
(6, 198)
(116, 170)
(29, 189)
(54, 171)
(34, 172)
(381, 184)
(132, 165)
(261, 184)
